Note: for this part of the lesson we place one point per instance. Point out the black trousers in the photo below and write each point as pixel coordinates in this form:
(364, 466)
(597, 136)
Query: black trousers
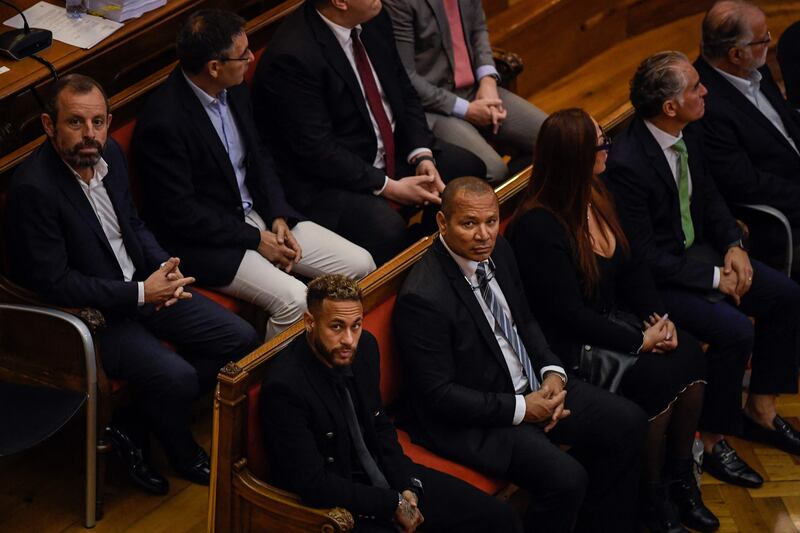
(774, 301)
(372, 223)
(165, 381)
(593, 487)
(452, 505)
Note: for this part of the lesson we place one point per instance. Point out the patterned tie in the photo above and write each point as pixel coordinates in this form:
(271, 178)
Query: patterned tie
(374, 100)
(506, 327)
(683, 193)
(463, 67)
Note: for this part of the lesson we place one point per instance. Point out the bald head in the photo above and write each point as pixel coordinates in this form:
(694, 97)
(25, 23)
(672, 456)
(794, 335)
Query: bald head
(728, 24)
(465, 185)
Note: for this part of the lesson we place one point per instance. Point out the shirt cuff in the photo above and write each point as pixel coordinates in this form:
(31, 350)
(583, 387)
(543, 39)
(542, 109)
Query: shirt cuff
(460, 108)
(378, 192)
(140, 298)
(418, 151)
(715, 283)
(519, 409)
(557, 369)
(486, 70)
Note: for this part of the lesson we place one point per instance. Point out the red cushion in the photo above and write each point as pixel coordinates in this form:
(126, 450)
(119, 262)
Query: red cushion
(123, 133)
(256, 456)
(248, 76)
(378, 321)
(425, 457)
(228, 302)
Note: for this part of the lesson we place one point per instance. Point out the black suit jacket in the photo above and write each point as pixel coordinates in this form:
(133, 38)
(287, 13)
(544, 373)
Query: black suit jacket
(190, 195)
(751, 161)
(462, 388)
(647, 201)
(309, 104)
(306, 435)
(56, 246)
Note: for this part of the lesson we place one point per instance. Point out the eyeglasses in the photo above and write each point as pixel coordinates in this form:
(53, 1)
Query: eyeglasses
(605, 146)
(766, 40)
(244, 57)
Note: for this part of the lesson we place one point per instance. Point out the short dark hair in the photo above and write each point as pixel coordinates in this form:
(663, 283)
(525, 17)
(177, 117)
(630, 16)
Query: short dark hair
(332, 287)
(207, 35)
(77, 83)
(468, 184)
(725, 27)
(657, 80)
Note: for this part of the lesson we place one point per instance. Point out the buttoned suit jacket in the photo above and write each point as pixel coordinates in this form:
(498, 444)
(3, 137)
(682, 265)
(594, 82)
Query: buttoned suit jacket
(461, 388)
(647, 200)
(190, 195)
(309, 105)
(56, 245)
(425, 45)
(751, 160)
(306, 434)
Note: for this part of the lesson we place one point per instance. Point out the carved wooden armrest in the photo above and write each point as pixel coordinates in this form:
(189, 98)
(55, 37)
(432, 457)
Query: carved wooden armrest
(509, 65)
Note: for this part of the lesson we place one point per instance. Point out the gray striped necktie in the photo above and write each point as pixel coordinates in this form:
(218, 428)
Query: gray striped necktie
(506, 327)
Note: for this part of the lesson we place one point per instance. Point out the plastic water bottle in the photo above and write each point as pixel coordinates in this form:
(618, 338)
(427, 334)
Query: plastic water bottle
(75, 8)
(697, 459)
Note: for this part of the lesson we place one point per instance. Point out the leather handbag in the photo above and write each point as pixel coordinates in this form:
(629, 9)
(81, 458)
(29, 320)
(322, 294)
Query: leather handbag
(605, 367)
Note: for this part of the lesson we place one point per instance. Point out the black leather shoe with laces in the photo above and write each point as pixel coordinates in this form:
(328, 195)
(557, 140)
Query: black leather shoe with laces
(686, 496)
(725, 464)
(658, 512)
(140, 472)
(197, 469)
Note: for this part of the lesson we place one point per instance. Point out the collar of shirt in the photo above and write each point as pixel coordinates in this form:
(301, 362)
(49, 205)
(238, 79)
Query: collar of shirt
(100, 171)
(467, 266)
(206, 99)
(664, 139)
(341, 33)
(748, 85)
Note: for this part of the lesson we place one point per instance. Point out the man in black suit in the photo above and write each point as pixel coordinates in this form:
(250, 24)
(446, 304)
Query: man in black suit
(211, 193)
(488, 392)
(347, 127)
(74, 237)
(752, 134)
(679, 223)
(329, 439)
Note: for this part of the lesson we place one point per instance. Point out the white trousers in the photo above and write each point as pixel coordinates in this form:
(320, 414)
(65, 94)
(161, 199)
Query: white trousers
(280, 294)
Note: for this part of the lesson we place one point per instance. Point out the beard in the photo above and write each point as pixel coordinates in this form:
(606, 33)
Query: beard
(325, 353)
(77, 160)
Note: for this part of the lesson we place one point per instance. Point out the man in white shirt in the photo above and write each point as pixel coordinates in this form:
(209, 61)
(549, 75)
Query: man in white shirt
(678, 222)
(74, 237)
(486, 389)
(751, 133)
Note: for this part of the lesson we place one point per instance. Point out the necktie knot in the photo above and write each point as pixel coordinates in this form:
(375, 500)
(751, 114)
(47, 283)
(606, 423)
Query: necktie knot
(480, 273)
(680, 147)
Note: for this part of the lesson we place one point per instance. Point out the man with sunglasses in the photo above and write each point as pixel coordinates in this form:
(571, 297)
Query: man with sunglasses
(211, 190)
(752, 135)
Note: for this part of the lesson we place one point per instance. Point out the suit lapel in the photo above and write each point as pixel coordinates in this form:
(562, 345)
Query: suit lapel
(437, 6)
(789, 117)
(321, 383)
(132, 245)
(376, 46)
(464, 291)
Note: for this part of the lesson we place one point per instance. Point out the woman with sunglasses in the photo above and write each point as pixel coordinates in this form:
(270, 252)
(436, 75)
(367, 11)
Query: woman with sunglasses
(578, 271)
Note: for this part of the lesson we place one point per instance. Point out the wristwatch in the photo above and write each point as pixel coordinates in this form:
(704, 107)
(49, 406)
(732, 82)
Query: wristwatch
(420, 158)
(739, 243)
(416, 488)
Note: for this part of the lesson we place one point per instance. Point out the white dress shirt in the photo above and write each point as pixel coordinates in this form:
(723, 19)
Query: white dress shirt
(97, 195)
(751, 89)
(518, 378)
(667, 142)
(345, 40)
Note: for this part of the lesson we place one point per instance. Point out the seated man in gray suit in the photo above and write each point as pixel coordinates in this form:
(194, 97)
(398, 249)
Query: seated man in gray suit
(445, 48)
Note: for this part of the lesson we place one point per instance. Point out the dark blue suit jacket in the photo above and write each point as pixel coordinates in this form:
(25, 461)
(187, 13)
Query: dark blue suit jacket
(646, 196)
(56, 246)
(190, 195)
(752, 162)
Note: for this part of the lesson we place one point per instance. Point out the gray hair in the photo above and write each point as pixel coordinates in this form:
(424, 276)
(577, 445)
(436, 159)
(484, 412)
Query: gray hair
(724, 27)
(657, 80)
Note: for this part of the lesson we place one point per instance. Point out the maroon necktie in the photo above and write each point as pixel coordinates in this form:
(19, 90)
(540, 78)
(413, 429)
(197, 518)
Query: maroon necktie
(374, 101)
(463, 67)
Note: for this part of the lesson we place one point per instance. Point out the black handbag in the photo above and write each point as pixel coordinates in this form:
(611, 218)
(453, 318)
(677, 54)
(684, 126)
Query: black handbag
(605, 367)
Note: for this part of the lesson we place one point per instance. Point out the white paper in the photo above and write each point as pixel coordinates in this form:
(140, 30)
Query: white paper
(3, 70)
(121, 10)
(84, 32)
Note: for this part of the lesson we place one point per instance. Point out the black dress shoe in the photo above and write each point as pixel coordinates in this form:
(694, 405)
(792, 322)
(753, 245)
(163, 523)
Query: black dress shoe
(725, 464)
(140, 472)
(197, 469)
(658, 512)
(784, 436)
(694, 514)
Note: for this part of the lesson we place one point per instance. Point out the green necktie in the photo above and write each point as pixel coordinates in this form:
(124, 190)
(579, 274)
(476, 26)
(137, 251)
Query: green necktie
(683, 193)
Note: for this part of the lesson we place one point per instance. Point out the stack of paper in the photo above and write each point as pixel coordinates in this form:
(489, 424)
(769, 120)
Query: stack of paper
(84, 32)
(119, 10)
